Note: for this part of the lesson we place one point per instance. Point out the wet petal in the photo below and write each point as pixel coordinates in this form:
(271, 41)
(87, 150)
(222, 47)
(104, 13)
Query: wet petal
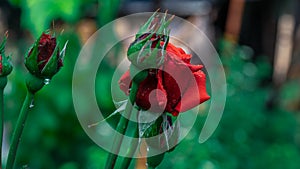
(179, 53)
(176, 75)
(191, 98)
(143, 98)
(125, 82)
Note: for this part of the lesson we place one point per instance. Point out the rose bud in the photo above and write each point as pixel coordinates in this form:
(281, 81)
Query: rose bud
(44, 59)
(162, 134)
(5, 65)
(148, 48)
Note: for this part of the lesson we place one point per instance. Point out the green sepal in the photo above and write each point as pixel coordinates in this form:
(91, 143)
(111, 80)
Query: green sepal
(164, 47)
(2, 46)
(164, 24)
(6, 66)
(5, 61)
(175, 133)
(31, 60)
(153, 130)
(137, 46)
(145, 27)
(158, 128)
(153, 57)
(63, 51)
(34, 83)
(154, 161)
(140, 52)
(51, 66)
(3, 82)
(137, 74)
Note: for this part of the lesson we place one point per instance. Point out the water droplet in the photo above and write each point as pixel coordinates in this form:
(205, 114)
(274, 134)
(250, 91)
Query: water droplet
(31, 104)
(25, 166)
(47, 81)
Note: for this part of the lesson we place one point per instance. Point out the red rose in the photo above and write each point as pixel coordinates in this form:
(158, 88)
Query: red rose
(175, 95)
(44, 59)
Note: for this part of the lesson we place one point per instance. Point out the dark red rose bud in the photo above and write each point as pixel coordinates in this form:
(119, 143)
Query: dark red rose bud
(44, 59)
(148, 48)
(5, 65)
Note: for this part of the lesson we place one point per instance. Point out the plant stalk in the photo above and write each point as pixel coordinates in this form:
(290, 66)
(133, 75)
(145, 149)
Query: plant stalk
(121, 128)
(3, 82)
(1, 124)
(18, 131)
(131, 150)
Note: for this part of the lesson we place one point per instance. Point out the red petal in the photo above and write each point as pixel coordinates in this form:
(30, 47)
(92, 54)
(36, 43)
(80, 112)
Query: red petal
(44, 39)
(161, 99)
(46, 47)
(125, 82)
(179, 53)
(195, 68)
(143, 97)
(176, 79)
(191, 98)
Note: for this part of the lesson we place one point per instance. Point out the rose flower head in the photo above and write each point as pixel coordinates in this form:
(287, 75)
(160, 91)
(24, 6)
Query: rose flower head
(44, 59)
(174, 85)
(5, 65)
(148, 48)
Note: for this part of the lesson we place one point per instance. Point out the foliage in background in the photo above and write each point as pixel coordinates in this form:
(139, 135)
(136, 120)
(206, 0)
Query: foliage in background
(37, 15)
(250, 136)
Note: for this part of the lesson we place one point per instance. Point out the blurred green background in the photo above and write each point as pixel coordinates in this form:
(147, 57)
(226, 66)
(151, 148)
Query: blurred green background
(260, 128)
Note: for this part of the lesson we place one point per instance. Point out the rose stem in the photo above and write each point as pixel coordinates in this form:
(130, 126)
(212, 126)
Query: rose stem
(121, 128)
(3, 82)
(131, 150)
(1, 124)
(18, 130)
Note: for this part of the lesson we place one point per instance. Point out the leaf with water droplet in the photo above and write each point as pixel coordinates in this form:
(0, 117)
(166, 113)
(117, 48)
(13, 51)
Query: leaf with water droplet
(31, 104)
(46, 81)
